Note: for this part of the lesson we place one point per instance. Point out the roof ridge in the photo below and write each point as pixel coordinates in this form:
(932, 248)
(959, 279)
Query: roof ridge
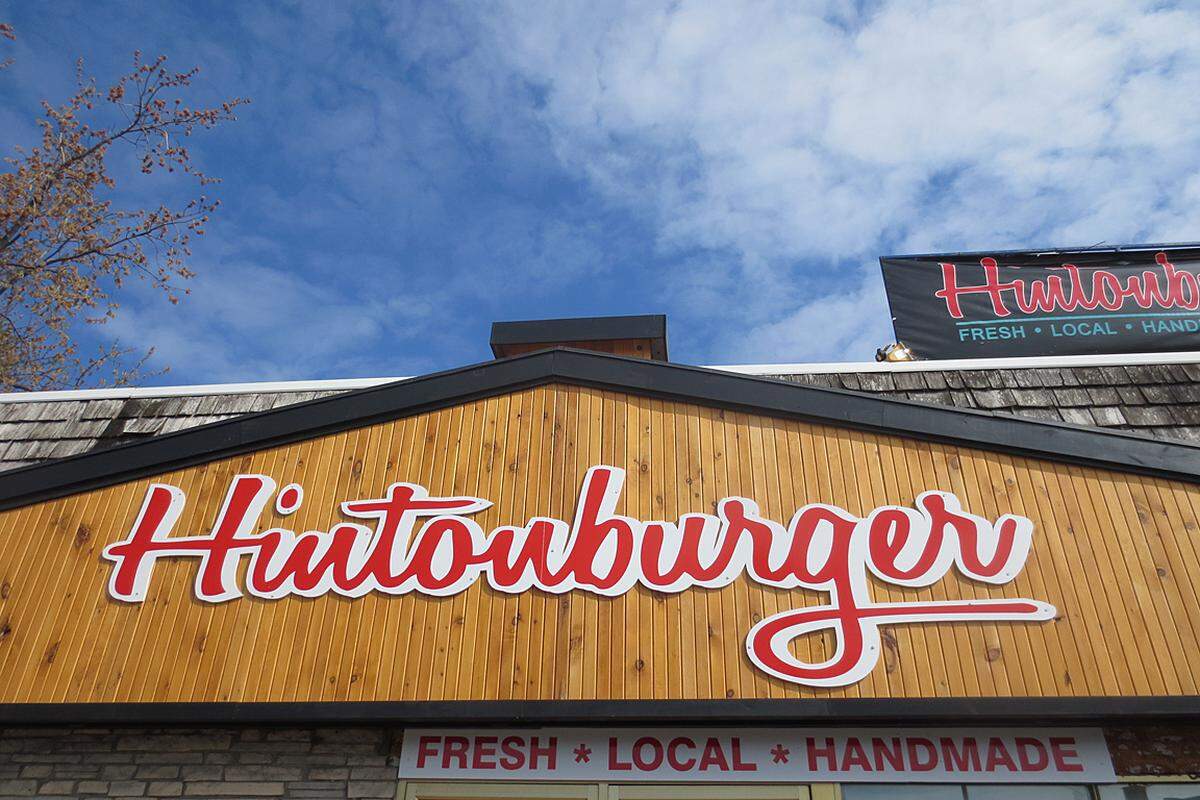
(973, 428)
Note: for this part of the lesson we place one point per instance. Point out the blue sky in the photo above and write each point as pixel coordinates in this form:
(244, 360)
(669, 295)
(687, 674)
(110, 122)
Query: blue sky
(408, 173)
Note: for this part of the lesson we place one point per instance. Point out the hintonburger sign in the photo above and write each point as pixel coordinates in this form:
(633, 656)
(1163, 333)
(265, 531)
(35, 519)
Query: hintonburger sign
(792, 755)
(408, 541)
(1050, 303)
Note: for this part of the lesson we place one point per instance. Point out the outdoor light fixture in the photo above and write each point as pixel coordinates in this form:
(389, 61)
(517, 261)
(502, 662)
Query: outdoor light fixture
(898, 351)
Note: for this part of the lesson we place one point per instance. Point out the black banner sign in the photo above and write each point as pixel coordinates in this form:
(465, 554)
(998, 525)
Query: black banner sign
(975, 305)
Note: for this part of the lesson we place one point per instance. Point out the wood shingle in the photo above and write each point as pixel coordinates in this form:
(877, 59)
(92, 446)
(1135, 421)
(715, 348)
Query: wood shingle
(1154, 399)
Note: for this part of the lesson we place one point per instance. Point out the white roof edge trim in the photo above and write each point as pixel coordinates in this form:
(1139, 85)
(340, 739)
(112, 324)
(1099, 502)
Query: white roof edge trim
(264, 387)
(952, 364)
(346, 384)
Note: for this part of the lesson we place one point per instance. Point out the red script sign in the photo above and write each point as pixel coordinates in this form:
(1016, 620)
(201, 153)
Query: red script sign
(408, 541)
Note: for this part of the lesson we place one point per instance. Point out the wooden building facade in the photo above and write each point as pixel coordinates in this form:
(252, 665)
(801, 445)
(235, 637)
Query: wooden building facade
(587, 572)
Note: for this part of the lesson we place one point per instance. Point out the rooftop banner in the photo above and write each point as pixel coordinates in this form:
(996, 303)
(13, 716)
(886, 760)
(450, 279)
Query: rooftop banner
(745, 755)
(1038, 304)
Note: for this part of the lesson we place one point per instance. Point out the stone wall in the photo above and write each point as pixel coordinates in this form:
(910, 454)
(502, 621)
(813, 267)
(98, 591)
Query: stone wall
(211, 762)
(1155, 750)
(327, 762)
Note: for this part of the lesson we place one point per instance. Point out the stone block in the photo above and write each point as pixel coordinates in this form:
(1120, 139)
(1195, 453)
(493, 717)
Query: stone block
(19, 787)
(348, 736)
(127, 788)
(24, 744)
(110, 758)
(233, 789)
(337, 787)
(202, 773)
(176, 743)
(372, 760)
(170, 758)
(274, 747)
(263, 772)
(46, 758)
(57, 787)
(372, 788)
(255, 758)
(165, 789)
(79, 773)
(312, 760)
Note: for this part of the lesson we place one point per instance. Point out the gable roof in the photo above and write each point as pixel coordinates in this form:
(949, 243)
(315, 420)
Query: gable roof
(255, 431)
(1153, 394)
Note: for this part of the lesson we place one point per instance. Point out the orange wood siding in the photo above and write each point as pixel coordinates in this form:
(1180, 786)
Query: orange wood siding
(1115, 553)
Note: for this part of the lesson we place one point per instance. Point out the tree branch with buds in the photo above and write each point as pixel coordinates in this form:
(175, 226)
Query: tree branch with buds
(67, 247)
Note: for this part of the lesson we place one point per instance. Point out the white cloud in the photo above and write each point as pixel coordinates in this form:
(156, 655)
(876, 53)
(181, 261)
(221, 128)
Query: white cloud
(854, 320)
(773, 149)
(801, 140)
(243, 321)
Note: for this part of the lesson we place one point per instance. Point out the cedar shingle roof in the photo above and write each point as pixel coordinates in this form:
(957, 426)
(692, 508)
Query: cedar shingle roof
(40, 431)
(1161, 400)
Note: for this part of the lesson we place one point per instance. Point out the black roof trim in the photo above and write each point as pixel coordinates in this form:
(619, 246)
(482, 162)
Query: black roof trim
(583, 329)
(442, 713)
(976, 429)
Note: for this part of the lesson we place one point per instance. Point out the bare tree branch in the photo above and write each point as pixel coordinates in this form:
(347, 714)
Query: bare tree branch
(65, 248)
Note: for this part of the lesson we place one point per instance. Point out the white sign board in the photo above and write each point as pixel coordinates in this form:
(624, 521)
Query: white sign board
(788, 755)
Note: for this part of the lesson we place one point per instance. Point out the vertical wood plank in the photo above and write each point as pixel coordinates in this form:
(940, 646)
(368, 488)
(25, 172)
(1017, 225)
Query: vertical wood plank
(1112, 552)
